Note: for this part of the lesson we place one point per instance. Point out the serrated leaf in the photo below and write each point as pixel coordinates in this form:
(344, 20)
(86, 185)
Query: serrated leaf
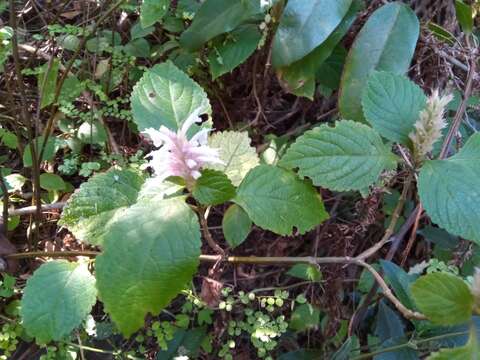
(236, 153)
(444, 298)
(386, 42)
(57, 298)
(228, 54)
(449, 191)
(388, 323)
(153, 11)
(277, 200)
(392, 104)
(51, 182)
(349, 156)
(217, 17)
(151, 253)
(299, 76)
(165, 95)
(90, 209)
(304, 25)
(236, 225)
(213, 188)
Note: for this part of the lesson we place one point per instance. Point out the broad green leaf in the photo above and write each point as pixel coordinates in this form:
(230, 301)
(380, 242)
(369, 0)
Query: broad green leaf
(349, 156)
(464, 16)
(217, 17)
(448, 191)
(304, 317)
(386, 42)
(166, 96)
(228, 53)
(277, 200)
(51, 182)
(236, 225)
(187, 342)
(57, 298)
(155, 190)
(48, 154)
(213, 188)
(139, 48)
(305, 25)
(47, 82)
(151, 253)
(444, 298)
(305, 272)
(98, 201)
(153, 11)
(299, 77)
(330, 72)
(92, 132)
(388, 324)
(400, 281)
(8, 138)
(236, 153)
(71, 89)
(14, 182)
(392, 104)
(137, 31)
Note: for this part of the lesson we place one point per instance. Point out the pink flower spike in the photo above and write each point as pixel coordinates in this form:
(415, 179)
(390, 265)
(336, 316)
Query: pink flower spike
(179, 156)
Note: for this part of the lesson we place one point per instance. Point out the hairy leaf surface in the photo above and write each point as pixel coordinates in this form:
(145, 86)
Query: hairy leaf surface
(57, 298)
(151, 253)
(277, 200)
(349, 156)
(386, 42)
(450, 191)
(165, 95)
(392, 104)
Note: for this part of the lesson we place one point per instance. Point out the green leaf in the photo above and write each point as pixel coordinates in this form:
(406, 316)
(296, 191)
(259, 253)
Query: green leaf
(98, 201)
(305, 272)
(71, 89)
(448, 191)
(186, 342)
(277, 200)
(137, 31)
(213, 188)
(400, 281)
(305, 25)
(386, 42)
(236, 225)
(92, 132)
(166, 96)
(330, 72)
(8, 138)
(217, 17)
(227, 54)
(236, 153)
(388, 324)
(470, 351)
(153, 11)
(441, 33)
(304, 317)
(48, 154)
(392, 104)
(464, 16)
(47, 86)
(139, 48)
(444, 298)
(299, 77)
(57, 298)
(151, 253)
(14, 182)
(349, 156)
(51, 182)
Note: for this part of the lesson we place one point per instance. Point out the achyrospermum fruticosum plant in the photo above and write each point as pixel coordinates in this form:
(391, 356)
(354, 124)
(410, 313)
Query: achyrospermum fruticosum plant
(150, 236)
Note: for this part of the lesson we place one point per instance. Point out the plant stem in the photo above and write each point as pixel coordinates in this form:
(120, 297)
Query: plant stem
(267, 260)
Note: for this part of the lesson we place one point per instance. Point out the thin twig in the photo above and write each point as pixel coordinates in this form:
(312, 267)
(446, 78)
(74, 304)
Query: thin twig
(31, 209)
(206, 233)
(259, 260)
